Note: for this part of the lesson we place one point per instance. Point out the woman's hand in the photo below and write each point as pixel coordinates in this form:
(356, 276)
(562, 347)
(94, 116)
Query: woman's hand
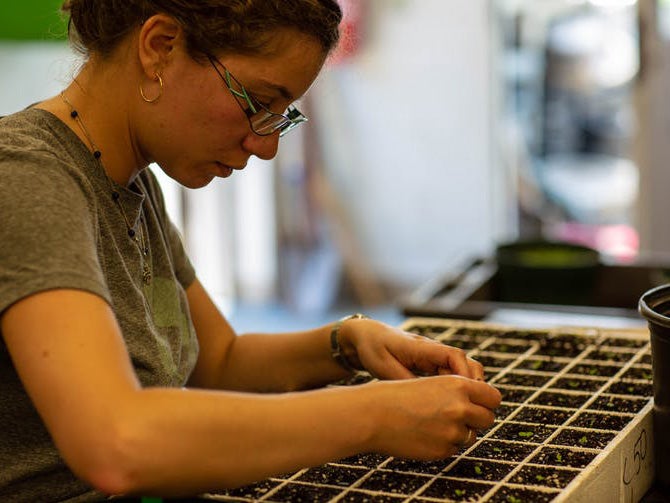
(430, 418)
(390, 353)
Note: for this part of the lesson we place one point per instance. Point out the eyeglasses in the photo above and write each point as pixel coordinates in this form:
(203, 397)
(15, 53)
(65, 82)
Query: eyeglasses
(263, 122)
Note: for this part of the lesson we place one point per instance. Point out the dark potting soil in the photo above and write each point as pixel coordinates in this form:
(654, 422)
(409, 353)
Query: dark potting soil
(252, 491)
(609, 356)
(504, 410)
(566, 345)
(631, 388)
(456, 490)
(413, 466)
(518, 379)
(363, 497)
(624, 343)
(480, 470)
(367, 460)
(504, 451)
(465, 344)
(343, 476)
(581, 438)
(641, 373)
(509, 348)
(542, 365)
(577, 384)
(557, 456)
(543, 416)
(546, 477)
(601, 421)
(427, 330)
(300, 493)
(533, 433)
(480, 333)
(515, 495)
(392, 482)
(515, 395)
(617, 404)
(493, 361)
(556, 399)
(594, 369)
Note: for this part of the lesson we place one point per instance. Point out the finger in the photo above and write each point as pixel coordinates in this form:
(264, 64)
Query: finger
(479, 418)
(388, 367)
(476, 368)
(484, 394)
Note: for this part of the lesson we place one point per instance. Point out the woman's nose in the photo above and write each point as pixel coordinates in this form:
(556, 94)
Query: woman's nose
(263, 147)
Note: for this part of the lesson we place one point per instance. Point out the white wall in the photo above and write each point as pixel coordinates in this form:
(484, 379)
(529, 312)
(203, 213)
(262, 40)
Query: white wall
(407, 128)
(30, 72)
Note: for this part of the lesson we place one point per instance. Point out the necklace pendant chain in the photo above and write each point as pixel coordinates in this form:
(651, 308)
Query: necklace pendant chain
(136, 236)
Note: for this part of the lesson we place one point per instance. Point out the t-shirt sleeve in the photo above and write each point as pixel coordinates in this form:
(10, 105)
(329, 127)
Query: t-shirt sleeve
(47, 229)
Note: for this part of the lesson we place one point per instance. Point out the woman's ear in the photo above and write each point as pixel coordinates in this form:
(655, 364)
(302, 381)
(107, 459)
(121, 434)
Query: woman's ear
(159, 36)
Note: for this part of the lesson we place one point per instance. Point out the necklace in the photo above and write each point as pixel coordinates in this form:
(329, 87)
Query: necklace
(137, 236)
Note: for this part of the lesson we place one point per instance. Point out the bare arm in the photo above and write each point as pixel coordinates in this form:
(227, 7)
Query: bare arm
(302, 360)
(257, 362)
(123, 439)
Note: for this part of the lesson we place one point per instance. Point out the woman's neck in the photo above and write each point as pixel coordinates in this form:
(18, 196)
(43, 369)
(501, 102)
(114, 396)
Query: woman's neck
(103, 120)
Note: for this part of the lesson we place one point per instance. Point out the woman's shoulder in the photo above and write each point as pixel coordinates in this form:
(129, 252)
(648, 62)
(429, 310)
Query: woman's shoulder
(39, 153)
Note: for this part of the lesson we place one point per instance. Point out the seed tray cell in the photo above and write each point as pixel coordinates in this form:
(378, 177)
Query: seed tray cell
(575, 425)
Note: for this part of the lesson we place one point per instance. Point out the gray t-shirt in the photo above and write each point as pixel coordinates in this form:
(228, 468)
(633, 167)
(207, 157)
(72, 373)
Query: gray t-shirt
(61, 228)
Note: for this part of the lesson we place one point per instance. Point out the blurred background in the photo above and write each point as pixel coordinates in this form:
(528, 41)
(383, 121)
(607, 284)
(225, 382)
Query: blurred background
(439, 129)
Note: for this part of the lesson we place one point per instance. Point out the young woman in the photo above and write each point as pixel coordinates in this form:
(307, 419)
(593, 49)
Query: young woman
(117, 373)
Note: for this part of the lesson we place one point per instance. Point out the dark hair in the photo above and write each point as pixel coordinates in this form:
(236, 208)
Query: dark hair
(245, 26)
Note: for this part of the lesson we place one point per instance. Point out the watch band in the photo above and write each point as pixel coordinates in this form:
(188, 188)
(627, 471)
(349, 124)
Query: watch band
(335, 349)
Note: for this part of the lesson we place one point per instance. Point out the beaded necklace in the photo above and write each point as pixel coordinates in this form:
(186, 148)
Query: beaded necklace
(137, 236)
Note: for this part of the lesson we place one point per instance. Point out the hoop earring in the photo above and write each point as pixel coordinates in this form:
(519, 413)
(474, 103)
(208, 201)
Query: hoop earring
(160, 93)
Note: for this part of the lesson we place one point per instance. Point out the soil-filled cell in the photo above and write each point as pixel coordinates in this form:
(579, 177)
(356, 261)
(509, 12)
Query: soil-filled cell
(493, 361)
(565, 345)
(618, 404)
(500, 450)
(518, 379)
(544, 365)
(639, 373)
(509, 348)
(456, 490)
(624, 343)
(367, 460)
(598, 421)
(577, 384)
(393, 482)
(253, 491)
(303, 493)
(557, 399)
(413, 466)
(363, 497)
(533, 433)
(543, 416)
(557, 456)
(333, 475)
(464, 344)
(581, 438)
(643, 390)
(594, 369)
(609, 356)
(517, 495)
(479, 470)
(544, 476)
(515, 395)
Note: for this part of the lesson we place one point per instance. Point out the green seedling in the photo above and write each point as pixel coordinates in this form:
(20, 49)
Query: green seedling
(525, 434)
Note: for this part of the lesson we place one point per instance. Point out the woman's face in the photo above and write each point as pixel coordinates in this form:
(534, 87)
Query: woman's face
(197, 130)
